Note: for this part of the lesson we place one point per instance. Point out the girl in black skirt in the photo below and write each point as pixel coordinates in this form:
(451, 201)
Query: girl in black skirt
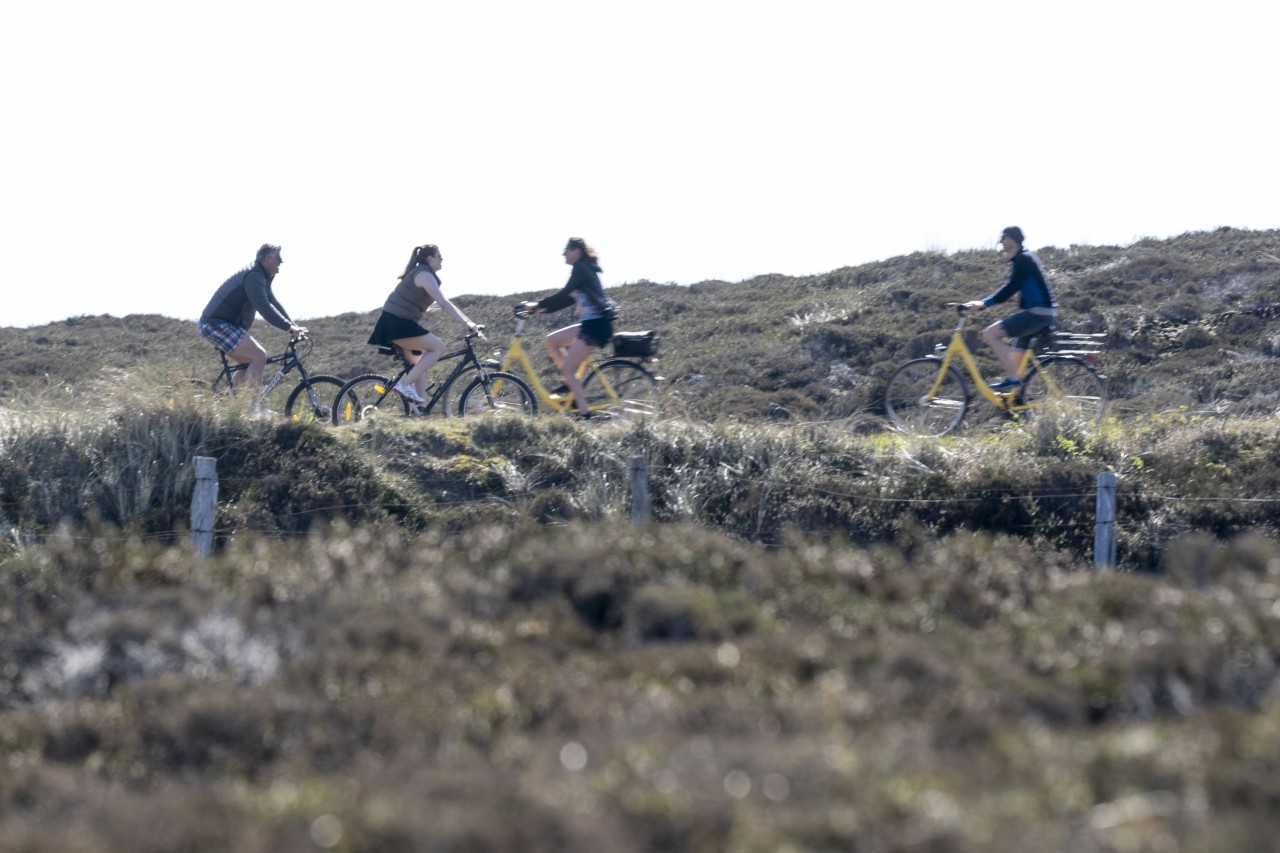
(400, 322)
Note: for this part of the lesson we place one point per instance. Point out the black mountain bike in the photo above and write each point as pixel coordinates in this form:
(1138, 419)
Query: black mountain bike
(309, 401)
(489, 390)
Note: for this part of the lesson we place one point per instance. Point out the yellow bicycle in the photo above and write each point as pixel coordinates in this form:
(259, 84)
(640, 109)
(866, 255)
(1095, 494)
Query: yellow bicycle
(928, 396)
(621, 386)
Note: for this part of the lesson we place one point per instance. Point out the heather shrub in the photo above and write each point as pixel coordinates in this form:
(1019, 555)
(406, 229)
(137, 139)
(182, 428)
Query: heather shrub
(693, 687)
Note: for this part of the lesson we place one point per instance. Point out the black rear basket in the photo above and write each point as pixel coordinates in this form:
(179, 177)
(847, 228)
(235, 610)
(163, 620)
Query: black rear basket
(635, 344)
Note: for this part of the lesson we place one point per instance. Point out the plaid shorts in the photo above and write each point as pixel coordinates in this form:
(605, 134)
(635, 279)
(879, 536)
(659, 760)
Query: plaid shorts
(223, 335)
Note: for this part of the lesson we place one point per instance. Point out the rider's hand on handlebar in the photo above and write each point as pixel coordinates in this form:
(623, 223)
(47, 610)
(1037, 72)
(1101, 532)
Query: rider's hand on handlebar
(975, 306)
(297, 332)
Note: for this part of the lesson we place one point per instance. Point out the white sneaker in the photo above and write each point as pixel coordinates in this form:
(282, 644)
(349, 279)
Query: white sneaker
(404, 389)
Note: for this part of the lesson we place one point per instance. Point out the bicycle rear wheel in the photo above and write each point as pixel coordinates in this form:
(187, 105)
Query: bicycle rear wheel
(365, 396)
(313, 400)
(497, 392)
(1066, 387)
(922, 403)
(622, 388)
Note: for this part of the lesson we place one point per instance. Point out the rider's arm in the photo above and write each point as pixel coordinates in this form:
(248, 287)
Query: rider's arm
(1006, 290)
(429, 283)
(559, 300)
(265, 302)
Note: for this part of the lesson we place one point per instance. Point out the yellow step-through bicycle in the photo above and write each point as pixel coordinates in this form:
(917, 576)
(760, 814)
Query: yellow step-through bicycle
(622, 386)
(928, 397)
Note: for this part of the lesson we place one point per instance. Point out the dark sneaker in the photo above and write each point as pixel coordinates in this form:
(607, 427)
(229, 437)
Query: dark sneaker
(1006, 385)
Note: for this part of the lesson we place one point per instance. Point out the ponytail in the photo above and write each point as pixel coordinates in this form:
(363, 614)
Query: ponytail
(419, 257)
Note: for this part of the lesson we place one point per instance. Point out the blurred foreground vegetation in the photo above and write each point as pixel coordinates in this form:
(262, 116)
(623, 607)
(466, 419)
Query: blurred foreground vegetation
(599, 686)
(447, 635)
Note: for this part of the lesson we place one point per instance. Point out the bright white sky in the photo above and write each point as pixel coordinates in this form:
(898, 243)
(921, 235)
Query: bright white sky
(149, 148)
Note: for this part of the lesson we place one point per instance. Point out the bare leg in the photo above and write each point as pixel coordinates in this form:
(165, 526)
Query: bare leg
(559, 341)
(1010, 358)
(573, 358)
(248, 352)
(431, 348)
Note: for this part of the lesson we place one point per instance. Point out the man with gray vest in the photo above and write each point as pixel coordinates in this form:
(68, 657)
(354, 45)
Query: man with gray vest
(226, 319)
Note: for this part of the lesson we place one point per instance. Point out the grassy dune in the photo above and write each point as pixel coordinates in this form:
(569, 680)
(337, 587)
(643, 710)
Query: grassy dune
(446, 634)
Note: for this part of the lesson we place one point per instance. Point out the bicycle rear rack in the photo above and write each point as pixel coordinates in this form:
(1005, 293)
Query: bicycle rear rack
(1085, 345)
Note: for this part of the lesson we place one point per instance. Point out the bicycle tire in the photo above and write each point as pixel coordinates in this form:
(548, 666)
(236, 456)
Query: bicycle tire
(369, 394)
(1068, 386)
(913, 410)
(449, 400)
(300, 409)
(635, 388)
(494, 391)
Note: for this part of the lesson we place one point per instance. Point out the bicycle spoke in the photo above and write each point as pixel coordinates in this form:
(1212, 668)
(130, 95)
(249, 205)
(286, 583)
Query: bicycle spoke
(504, 392)
(921, 401)
(312, 401)
(622, 388)
(367, 396)
(1066, 388)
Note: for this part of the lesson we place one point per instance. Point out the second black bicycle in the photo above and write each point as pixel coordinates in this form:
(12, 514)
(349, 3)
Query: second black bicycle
(488, 390)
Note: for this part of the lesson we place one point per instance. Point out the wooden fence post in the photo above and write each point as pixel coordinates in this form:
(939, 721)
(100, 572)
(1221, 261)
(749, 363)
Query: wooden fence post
(1104, 535)
(639, 490)
(204, 503)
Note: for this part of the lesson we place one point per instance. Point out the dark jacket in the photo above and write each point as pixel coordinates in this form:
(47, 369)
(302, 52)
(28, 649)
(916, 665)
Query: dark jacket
(585, 279)
(1026, 278)
(244, 293)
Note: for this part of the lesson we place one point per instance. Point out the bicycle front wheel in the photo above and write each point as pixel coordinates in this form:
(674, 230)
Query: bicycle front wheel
(367, 395)
(312, 401)
(497, 392)
(924, 402)
(1066, 387)
(622, 388)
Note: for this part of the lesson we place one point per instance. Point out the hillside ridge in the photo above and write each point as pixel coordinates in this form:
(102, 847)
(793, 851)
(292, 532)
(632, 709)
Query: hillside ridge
(1190, 321)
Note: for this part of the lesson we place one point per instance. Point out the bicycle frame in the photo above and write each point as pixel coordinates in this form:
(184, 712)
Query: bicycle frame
(1008, 400)
(516, 355)
(468, 360)
(290, 361)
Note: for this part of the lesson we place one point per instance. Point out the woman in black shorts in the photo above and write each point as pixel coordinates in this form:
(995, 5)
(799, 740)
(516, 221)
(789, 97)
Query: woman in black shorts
(570, 346)
(401, 318)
